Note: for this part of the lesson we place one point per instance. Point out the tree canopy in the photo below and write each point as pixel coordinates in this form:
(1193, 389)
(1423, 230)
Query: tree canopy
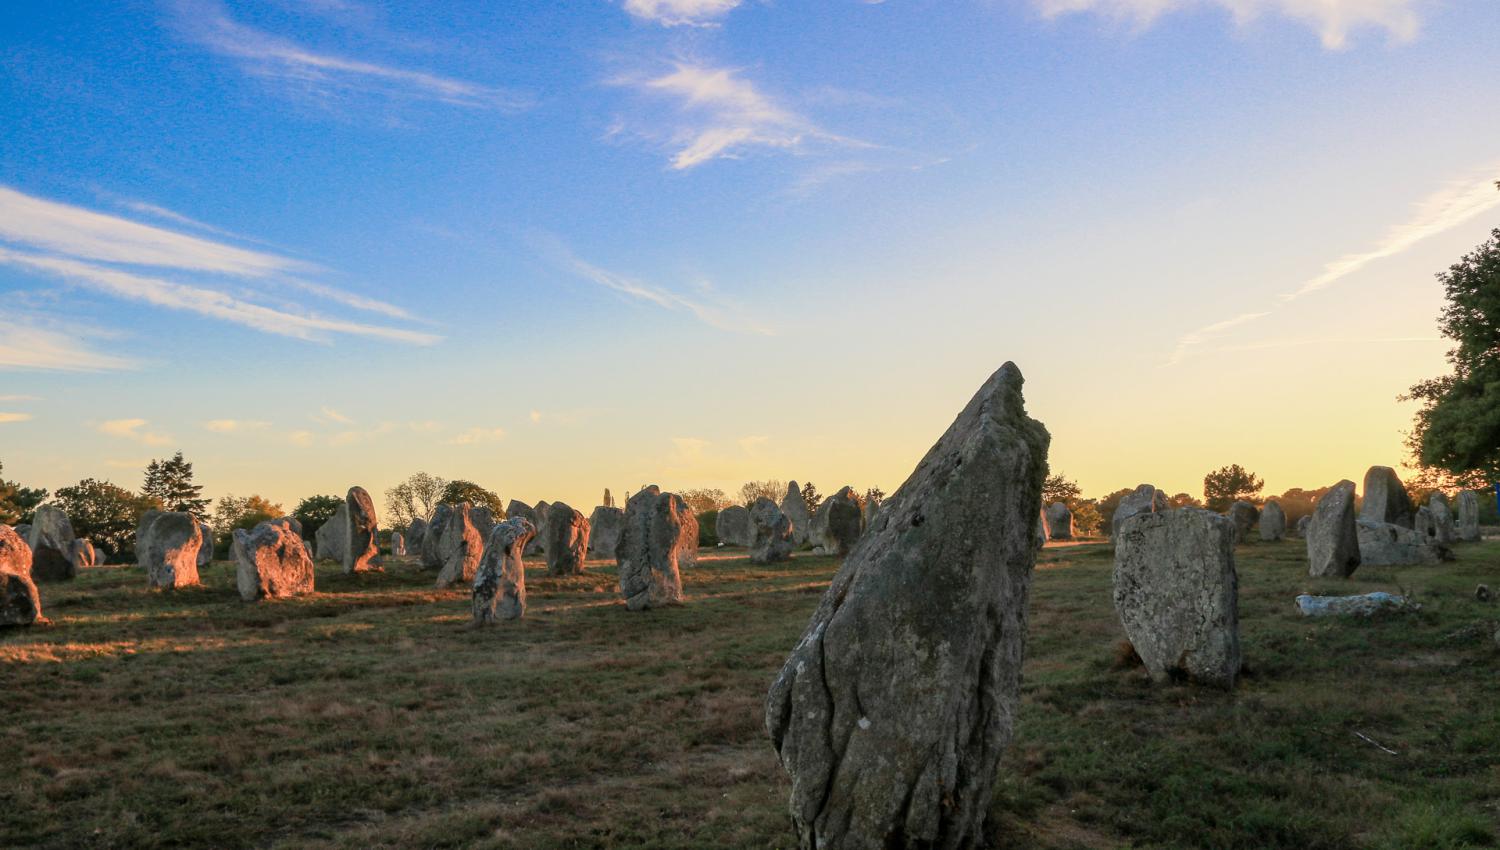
(1229, 484)
(460, 491)
(243, 512)
(415, 498)
(752, 490)
(170, 482)
(17, 503)
(314, 511)
(105, 513)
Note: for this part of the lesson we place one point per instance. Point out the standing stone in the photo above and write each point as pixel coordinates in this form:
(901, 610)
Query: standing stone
(1423, 523)
(416, 533)
(51, 540)
(1176, 593)
(1041, 529)
(23, 531)
(81, 553)
(1386, 544)
(206, 551)
(543, 510)
(733, 527)
(609, 500)
(483, 519)
(1386, 499)
(605, 526)
(569, 544)
(1059, 521)
(795, 508)
(837, 524)
(398, 544)
(1303, 524)
(660, 537)
(361, 532)
(432, 537)
(871, 514)
(1332, 537)
(772, 542)
(500, 583)
(1272, 522)
(1444, 530)
(332, 537)
(1468, 517)
(171, 556)
(893, 711)
(460, 547)
(1242, 516)
(1144, 500)
(20, 604)
(521, 509)
(271, 562)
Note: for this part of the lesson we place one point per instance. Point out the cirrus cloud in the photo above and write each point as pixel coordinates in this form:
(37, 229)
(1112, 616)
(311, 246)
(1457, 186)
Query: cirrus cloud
(1334, 20)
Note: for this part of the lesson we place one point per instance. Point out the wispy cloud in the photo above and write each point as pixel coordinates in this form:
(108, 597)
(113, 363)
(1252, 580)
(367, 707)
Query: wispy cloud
(558, 252)
(133, 429)
(1334, 20)
(273, 57)
(14, 417)
(672, 13)
(1206, 333)
(235, 426)
(329, 413)
(301, 438)
(477, 435)
(721, 115)
(13, 397)
(28, 347)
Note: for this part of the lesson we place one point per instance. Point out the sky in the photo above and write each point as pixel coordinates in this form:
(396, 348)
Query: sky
(558, 247)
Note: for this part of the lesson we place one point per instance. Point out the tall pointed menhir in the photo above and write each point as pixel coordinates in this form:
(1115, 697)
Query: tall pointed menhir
(892, 712)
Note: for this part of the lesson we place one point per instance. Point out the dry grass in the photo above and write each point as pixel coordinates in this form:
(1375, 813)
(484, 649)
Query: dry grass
(370, 715)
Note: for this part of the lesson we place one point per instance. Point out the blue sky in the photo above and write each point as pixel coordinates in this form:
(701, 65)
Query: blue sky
(558, 247)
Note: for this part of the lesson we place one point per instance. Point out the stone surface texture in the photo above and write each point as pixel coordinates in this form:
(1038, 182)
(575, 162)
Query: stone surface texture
(659, 540)
(1332, 536)
(569, 544)
(500, 583)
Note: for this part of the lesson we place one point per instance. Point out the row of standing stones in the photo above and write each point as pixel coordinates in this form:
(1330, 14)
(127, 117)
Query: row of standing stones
(892, 711)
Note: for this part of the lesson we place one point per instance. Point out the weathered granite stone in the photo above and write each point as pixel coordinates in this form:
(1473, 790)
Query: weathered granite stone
(871, 514)
(772, 529)
(1059, 521)
(1444, 530)
(894, 709)
(171, 555)
(271, 562)
(483, 519)
(500, 583)
(569, 544)
(1363, 605)
(659, 539)
(432, 538)
(1386, 499)
(539, 542)
(733, 526)
(1468, 517)
(206, 551)
(362, 532)
(1041, 529)
(1177, 594)
(1385, 544)
(398, 544)
(416, 534)
(1332, 537)
(20, 604)
(1423, 523)
(605, 526)
(333, 536)
(609, 499)
(1303, 525)
(1242, 516)
(1272, 522)
(795, 508)
(81, 553)
(51, 540)
(838, 522)
(521, 509)
(22, 531)
(460, 547)
(1146, 499)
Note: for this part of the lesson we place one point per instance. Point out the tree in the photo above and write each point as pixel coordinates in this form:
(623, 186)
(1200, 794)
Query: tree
(105, 514)
(752, 490)
(234, 512)
(702, 500)
(874, 495)
(415, 498)
(458, 492)
(1229, 484)
(17, 503)
(811, 497)
(314, 511)
(1183, 500)
(1059, 488)
(1458, 428)
(1107, 506)
(170, 482)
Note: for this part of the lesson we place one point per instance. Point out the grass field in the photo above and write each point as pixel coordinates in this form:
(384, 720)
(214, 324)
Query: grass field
(370, 715)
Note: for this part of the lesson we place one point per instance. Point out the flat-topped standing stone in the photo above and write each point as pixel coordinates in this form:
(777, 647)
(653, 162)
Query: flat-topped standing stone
(432, 538)
(271, 562)
(51, 540)
(1468, 517)
(838, 522)
(605, 526)
(893, 711)
(1144, 500)
(172, 550)
(500, 584)
(206, 550)
(733, 527)
(1059, 521)
(398, 544)
(1386, 544)
(569, 545)
(1332, 537)
(333, 535)
(795, 508)
(1177, 594)
(20, 604)
(1386, 499)
(460, 547)
(1272, 522)
(1242, 516)
(1444, 530)
(772, 542)
(660, 537)
(362, 531)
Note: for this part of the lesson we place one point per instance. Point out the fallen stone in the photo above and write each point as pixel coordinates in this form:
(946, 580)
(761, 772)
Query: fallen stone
(772, 530)
(1385, 544)
(1242, 516)
(1332, 536)
(20, 603)
(1176, 593)
(1146, 499)
(1386, 499)
(894, 709)
(733, 526)
(51, 540)
(460, 547)
(1059, 521)
(1272, 522)
(795, 508)
(605, 526)
(1362, 606)
(569, 544)
(500, 584)
(271, 562)
(361, 543)
(659, 539)
(171, 553)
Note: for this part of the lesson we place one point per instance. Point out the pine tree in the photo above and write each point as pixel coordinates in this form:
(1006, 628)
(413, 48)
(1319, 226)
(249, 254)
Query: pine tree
(170, 482)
